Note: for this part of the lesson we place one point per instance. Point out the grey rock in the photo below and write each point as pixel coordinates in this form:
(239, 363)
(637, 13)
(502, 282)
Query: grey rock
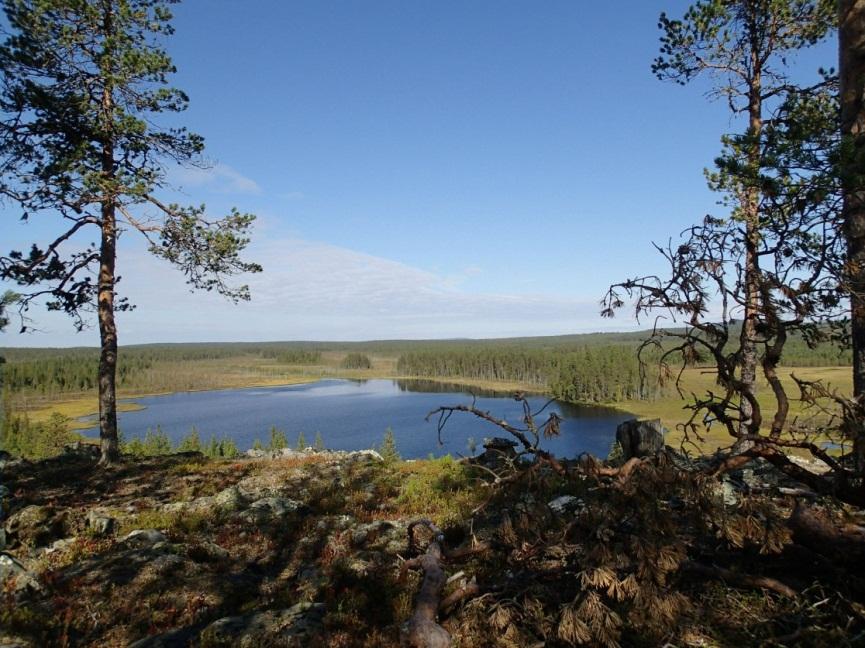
(727, 491)
(15, 576)
(640, 438)
(565, 503)
(367, 533)
(12, 462)
(34, 525)
(60, 545)
(100, 524)
(291, 627)
(166, 564)
(365, 454)
(229, 499)
(144, 537)
(208, 552)
(9, 641)
(82, 450)
(267, 509)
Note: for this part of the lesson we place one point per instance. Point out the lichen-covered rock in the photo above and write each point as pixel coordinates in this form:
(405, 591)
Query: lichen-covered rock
(80, 449)
(34, 526)
(564, 504)
(100, 523)
(207, 552)
(367, 533)
(291, 627)
(268, 509)
(16, 577)
(144, 537)
(229, 499)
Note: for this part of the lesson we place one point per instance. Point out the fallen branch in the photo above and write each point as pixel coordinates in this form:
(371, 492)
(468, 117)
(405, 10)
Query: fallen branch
(737, 579)
(422, 631)
(460, 594)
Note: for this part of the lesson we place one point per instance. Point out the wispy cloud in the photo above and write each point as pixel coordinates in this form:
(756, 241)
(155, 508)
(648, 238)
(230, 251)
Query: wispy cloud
(317, 291)
(219, 177)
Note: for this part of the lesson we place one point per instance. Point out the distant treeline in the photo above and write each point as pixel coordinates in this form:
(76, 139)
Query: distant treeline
(592, 367)
(293, 356)
(599, 374)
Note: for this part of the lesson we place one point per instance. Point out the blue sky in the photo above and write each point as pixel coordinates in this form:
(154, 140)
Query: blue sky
(424, 169)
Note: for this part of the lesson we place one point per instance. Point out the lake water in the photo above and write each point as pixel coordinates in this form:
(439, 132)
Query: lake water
(353, 415)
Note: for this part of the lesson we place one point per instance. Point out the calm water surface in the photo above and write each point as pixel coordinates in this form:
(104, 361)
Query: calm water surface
(352, 415)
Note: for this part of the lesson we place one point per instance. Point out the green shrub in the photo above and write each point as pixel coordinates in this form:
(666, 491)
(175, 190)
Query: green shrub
(20, 437)
(156, 443)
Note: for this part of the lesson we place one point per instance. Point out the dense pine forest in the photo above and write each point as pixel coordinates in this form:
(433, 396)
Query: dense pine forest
(595, 367)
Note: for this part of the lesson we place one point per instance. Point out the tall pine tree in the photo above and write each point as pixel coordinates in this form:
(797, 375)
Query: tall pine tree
(82, 84)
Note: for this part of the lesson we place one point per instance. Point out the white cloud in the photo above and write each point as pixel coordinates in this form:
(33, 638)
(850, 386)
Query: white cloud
(219, 177)
(317, 291)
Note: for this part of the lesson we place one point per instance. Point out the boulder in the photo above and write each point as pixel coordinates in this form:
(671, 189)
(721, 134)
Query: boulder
(565, 503)
(207, 552)
(34, 526)
(16, 577)
(640, 438)
(291, 627)
(229, 499)
(267, 509)
(144, 537)
(100, 524)
(82, 450)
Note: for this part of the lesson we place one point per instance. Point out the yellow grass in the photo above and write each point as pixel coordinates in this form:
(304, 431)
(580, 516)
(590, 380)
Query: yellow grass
(670, 409)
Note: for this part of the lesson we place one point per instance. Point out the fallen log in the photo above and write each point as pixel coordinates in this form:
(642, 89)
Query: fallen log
(815, 531)
(422, 630)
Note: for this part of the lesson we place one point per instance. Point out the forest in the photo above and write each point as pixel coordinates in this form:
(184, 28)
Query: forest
(592, 367)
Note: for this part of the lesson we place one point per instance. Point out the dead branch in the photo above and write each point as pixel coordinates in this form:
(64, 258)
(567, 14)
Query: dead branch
(422, 631)
(737, 579)
(458, 595)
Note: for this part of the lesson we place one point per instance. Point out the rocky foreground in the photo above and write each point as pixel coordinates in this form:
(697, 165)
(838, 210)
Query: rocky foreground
(313, 549)
(175, 549)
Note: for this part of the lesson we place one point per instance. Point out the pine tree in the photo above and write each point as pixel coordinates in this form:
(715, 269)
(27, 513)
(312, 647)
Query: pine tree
(388, 449)
(278, 440)
(83, 82)
(744, 46)
(301, 442)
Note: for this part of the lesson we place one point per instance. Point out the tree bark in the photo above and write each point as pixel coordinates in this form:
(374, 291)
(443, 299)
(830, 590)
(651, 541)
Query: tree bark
(105, 296)
(851, 65)
(749, 419)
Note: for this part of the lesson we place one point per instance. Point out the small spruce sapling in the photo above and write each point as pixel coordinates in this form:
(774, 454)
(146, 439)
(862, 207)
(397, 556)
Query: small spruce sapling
(388, 450)
(278, 440)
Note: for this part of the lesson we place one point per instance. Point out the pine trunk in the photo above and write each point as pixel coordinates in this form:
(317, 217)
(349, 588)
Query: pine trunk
(851, 42)
(108, 339)
(750, 420)
(105, 297)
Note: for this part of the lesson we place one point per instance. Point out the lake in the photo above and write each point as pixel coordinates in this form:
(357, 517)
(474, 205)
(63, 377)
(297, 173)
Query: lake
(353, 415)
